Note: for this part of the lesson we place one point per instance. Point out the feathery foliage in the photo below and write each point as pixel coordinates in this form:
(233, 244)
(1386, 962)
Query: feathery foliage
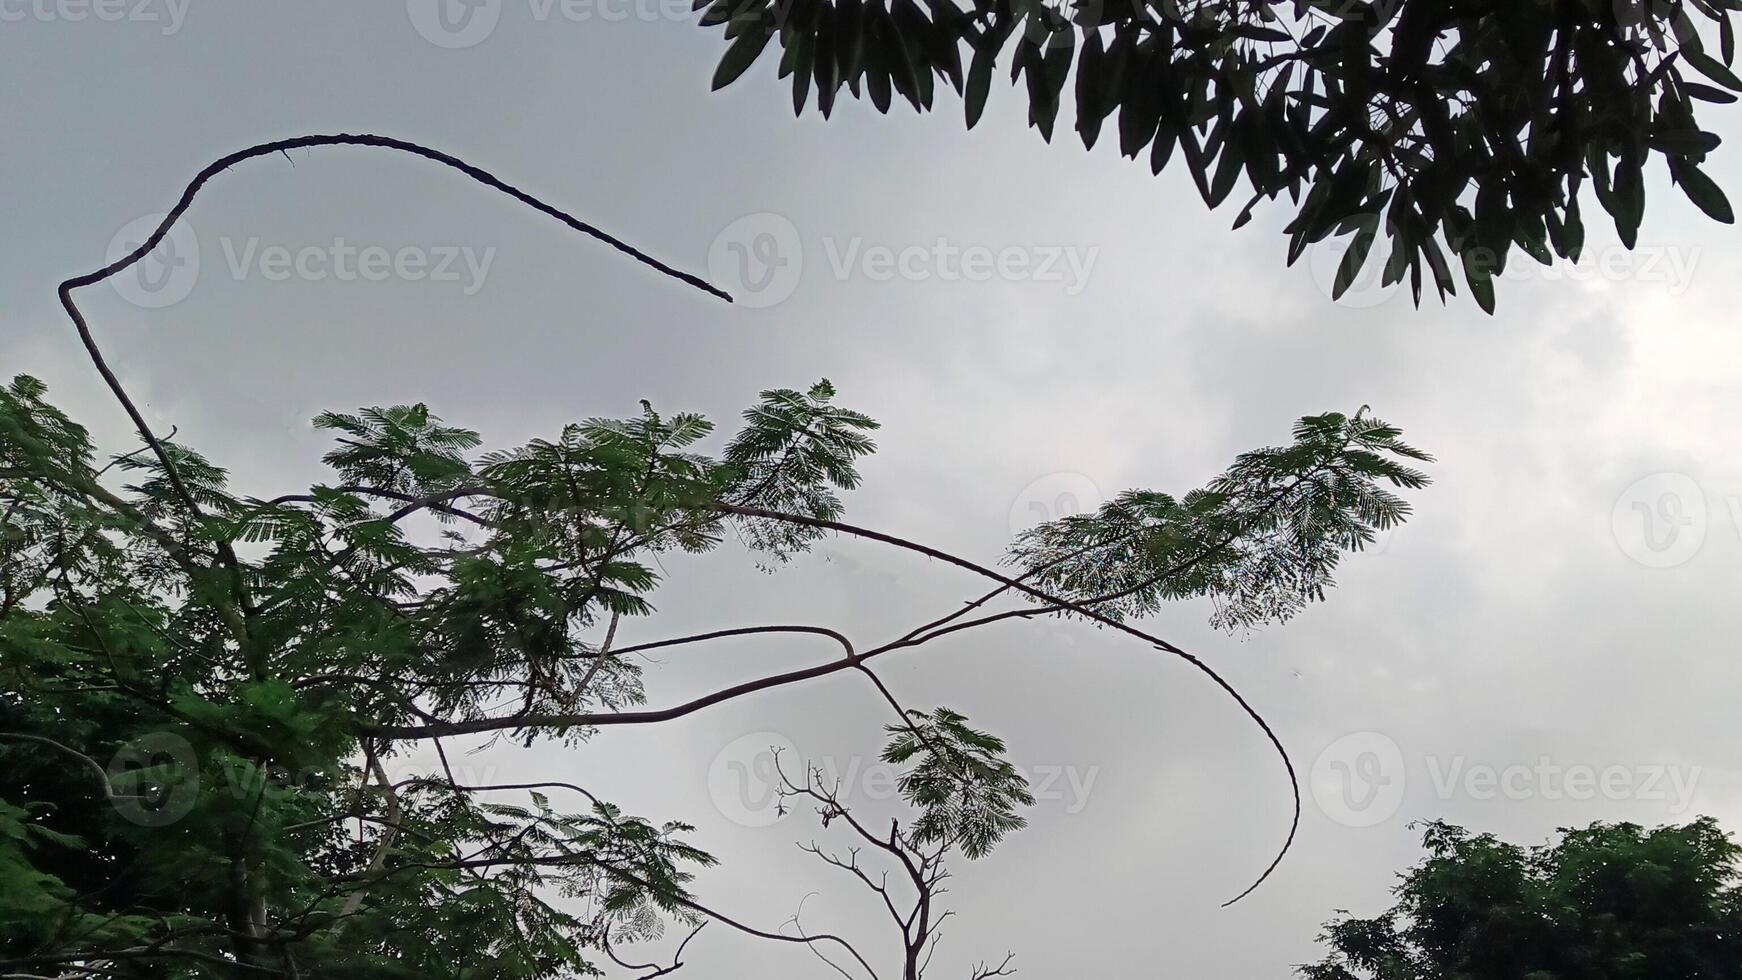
(1262, 540)
(208, 701)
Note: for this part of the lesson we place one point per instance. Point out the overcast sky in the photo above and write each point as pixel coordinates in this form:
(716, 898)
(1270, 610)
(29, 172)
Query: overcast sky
(1549, 642)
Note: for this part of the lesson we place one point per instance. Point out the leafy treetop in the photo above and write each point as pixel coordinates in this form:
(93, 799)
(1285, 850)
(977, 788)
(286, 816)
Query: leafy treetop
(206, 698)
(252, 667)
(1611, 901)
(1456, 130)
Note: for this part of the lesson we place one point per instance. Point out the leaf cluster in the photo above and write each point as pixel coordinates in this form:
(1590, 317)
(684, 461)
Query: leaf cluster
(1610, 901)
(1457, 132)
(1262, 540)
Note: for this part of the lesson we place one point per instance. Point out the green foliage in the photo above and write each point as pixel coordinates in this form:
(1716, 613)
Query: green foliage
(968, 794)
(1262, 540)
(1459, 130)
(795, 449)
(1609, 902)
(118, 632)
(204, 696)
(403, 448)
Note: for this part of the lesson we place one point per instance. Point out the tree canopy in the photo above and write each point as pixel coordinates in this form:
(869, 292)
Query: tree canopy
(1609, 902)
(1453, 130)
(201, 691)
(205, 694)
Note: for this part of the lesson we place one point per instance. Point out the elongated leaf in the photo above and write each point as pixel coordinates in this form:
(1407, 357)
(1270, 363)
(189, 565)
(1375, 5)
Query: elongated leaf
(979, 83)
(740, 56)
(1703, 191)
